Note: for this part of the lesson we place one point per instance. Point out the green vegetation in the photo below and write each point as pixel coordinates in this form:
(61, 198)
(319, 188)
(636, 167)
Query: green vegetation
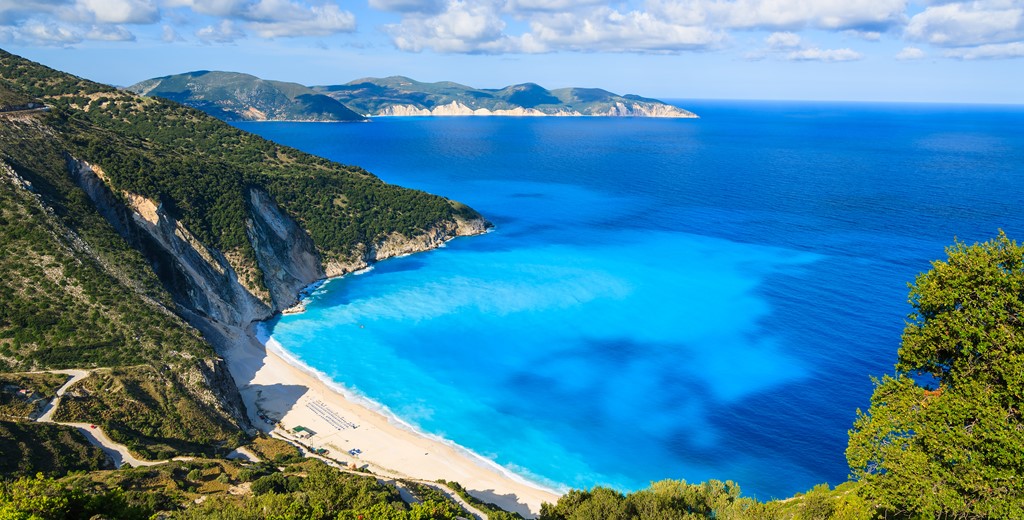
(201, 169)
(676, 499)
(316, 492)
(232, 96)
(9, 98)
(23, 395)
(27, 448)
(492, 511)
(148, 410)
(952, 446)
(269, 448)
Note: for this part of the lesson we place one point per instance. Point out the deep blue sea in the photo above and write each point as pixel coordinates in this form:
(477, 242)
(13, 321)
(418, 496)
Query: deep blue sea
(688, 299)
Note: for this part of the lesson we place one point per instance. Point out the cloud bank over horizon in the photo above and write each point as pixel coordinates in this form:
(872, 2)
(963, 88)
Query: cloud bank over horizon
(962, 30)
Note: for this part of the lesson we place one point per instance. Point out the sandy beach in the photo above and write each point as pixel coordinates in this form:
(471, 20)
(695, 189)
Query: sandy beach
(296, 397)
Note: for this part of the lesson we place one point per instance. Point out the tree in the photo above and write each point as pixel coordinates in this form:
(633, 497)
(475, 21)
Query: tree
(944, 437)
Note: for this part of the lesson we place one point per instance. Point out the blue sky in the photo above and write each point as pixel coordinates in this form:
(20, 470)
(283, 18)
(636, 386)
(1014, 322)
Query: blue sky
(872, 50)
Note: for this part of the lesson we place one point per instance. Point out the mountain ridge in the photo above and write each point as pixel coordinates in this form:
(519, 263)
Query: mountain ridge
(233, 96)
(236, 96)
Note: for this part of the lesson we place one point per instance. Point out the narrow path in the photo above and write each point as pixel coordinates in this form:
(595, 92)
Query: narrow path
(97, 437)
(23, 111)
(117, 452)
(76, 376)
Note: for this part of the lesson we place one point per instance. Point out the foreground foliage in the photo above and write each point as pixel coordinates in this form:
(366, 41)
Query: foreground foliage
(27, 448)
(945, 436)
(218, 490)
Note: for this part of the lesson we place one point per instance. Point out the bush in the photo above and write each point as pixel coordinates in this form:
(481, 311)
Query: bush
(274, 483)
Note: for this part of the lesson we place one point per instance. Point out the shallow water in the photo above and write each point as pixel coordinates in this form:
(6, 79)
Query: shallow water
(660, 298)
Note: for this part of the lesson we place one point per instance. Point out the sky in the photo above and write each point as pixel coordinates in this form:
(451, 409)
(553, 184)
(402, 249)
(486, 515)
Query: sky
(853, 50)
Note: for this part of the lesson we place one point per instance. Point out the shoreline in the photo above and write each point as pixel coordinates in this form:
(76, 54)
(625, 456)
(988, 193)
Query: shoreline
(274, 383)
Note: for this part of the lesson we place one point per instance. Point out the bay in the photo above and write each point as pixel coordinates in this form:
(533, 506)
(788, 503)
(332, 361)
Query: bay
(660, 298)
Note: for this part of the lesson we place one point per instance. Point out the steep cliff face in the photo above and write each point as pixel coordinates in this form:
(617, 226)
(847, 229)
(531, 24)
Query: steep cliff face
(199, 278)
(206, 284)
(284, 252)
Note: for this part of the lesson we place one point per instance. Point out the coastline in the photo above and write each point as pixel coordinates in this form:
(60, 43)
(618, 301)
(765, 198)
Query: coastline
(274, 383)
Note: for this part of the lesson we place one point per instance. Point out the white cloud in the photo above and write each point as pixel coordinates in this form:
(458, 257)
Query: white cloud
(36, 33)
(606, 29)
(409, 6)
(991, 51)
(226, 8)
(318, 21)
(225, 32)
(831, 55)
(478, 26)
(33, 32)
(782, 40)
(14, 11)
(630, 26)
(169, 35)
(868, 15)
(109, 33)
(465, 26)
(910, 53)
(962, 24)
(550, 6)
(871, 36)
(119, 11)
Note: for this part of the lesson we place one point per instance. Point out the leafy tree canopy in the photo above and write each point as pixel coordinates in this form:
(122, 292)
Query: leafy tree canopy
(953, 446)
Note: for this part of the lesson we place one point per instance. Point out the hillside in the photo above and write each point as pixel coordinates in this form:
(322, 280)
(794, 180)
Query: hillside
(136, 231)
(398, 95)
(233, 96)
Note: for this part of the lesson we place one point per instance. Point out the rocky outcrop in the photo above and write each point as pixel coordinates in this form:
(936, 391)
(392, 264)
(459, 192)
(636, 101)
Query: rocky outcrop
(458, 109)
(640, 109)
(400, 245)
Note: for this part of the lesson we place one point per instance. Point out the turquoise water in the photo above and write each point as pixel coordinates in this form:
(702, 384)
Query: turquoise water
(660, 298)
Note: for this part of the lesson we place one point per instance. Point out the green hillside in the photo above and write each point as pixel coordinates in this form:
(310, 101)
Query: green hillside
(84, 286)
(233, 96)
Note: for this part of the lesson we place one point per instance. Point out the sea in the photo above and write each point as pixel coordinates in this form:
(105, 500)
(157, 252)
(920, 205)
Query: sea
(659, 298)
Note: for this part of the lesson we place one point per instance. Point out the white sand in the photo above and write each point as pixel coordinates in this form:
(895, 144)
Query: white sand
(298, 398)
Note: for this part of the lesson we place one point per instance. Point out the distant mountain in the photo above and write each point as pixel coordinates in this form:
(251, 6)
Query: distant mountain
(234, 96)
(399, 95)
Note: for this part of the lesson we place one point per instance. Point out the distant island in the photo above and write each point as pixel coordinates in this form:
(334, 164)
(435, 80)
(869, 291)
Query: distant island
(234, 96)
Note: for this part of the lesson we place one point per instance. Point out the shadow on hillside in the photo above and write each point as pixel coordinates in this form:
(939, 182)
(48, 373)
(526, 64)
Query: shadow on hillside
(509, 502)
